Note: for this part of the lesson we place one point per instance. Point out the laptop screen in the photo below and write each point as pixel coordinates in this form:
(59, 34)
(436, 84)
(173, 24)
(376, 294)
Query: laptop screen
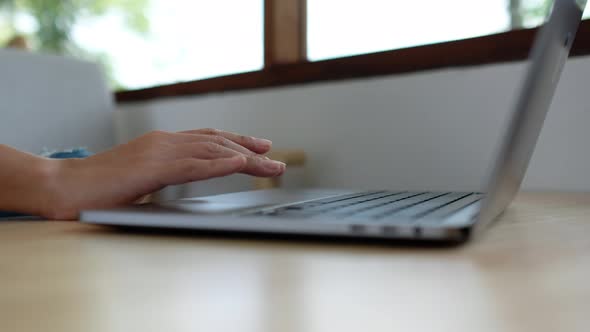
(548, 57)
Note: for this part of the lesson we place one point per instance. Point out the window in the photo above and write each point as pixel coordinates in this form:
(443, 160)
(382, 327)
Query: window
(146, 42)
(342, 28)
(150, 43)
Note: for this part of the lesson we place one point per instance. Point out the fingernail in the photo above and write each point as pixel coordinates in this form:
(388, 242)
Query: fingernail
(264, 142)
(273, 165)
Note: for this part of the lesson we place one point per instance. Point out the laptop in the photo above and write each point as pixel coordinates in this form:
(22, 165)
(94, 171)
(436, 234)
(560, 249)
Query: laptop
(382, 214)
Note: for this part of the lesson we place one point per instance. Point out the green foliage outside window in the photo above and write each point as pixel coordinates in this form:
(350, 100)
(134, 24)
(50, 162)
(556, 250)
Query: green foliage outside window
(526, 13)
(55, 20)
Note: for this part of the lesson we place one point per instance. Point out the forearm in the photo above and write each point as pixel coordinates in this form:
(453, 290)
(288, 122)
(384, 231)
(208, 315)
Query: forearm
(60, 189)
(25, 181)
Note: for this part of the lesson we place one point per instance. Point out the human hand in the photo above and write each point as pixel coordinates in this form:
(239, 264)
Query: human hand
(129, 171)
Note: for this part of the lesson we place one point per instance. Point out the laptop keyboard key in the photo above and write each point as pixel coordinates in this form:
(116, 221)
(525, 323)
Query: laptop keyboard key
(374, 205)
(418, 210)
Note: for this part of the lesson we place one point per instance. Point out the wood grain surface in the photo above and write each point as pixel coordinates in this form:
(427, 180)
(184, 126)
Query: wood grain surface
(530, 272)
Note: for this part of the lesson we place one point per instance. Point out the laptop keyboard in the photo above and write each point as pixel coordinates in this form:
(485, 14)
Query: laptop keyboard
(378, 205)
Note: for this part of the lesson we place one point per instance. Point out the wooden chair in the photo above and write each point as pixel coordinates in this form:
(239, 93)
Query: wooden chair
(293, 158)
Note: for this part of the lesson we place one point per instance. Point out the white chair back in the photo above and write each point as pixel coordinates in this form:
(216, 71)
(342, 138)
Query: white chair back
(52, 102)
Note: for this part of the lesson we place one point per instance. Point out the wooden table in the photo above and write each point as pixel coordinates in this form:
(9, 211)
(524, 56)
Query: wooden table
(530, 272)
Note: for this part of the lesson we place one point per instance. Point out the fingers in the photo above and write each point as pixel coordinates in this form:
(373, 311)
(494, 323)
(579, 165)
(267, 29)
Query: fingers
(203, 150)
(215, 146)
(260, 167)
(189, 170)
(219, 140)
(228, 144)
(258, 145)
(256, 165)
(240, 143)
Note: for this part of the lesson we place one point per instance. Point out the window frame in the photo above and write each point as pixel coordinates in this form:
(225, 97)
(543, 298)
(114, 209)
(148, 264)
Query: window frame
(286, 63)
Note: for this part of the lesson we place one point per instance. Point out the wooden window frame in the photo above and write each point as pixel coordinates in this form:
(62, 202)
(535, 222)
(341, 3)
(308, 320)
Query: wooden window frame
(286, 63)
(285, 32)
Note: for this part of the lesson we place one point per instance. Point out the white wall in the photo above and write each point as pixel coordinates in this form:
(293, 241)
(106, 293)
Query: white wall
(431, 130)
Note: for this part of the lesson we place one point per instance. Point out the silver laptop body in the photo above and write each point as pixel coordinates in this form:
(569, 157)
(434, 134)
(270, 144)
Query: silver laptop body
(400, 215)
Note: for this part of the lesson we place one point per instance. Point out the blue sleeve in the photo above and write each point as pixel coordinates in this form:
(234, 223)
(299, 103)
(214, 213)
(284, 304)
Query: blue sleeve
(9, 215)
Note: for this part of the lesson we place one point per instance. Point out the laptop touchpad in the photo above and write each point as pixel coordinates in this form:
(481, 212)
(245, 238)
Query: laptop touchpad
(207, 207)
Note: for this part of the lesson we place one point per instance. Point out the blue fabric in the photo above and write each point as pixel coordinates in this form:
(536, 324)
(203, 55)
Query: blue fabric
(73, 153)
(9, 215)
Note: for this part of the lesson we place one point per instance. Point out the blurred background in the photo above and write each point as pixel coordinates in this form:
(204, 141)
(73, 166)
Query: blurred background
(143, 43)
(434, 129)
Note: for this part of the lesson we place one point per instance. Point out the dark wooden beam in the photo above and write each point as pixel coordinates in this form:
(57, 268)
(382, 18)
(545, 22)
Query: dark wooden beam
(285, 32)
(503, 47)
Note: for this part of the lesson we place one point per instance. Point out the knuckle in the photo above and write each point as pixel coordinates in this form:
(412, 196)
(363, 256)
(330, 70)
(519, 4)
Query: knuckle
(220, 140)
(211, 147)
(210, 131)
(246, 140)
(254, 160)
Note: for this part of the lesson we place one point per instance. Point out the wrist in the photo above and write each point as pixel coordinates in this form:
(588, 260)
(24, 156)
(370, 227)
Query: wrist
(46, 193)
(27, 181)
(56, 198)
(56, 178)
